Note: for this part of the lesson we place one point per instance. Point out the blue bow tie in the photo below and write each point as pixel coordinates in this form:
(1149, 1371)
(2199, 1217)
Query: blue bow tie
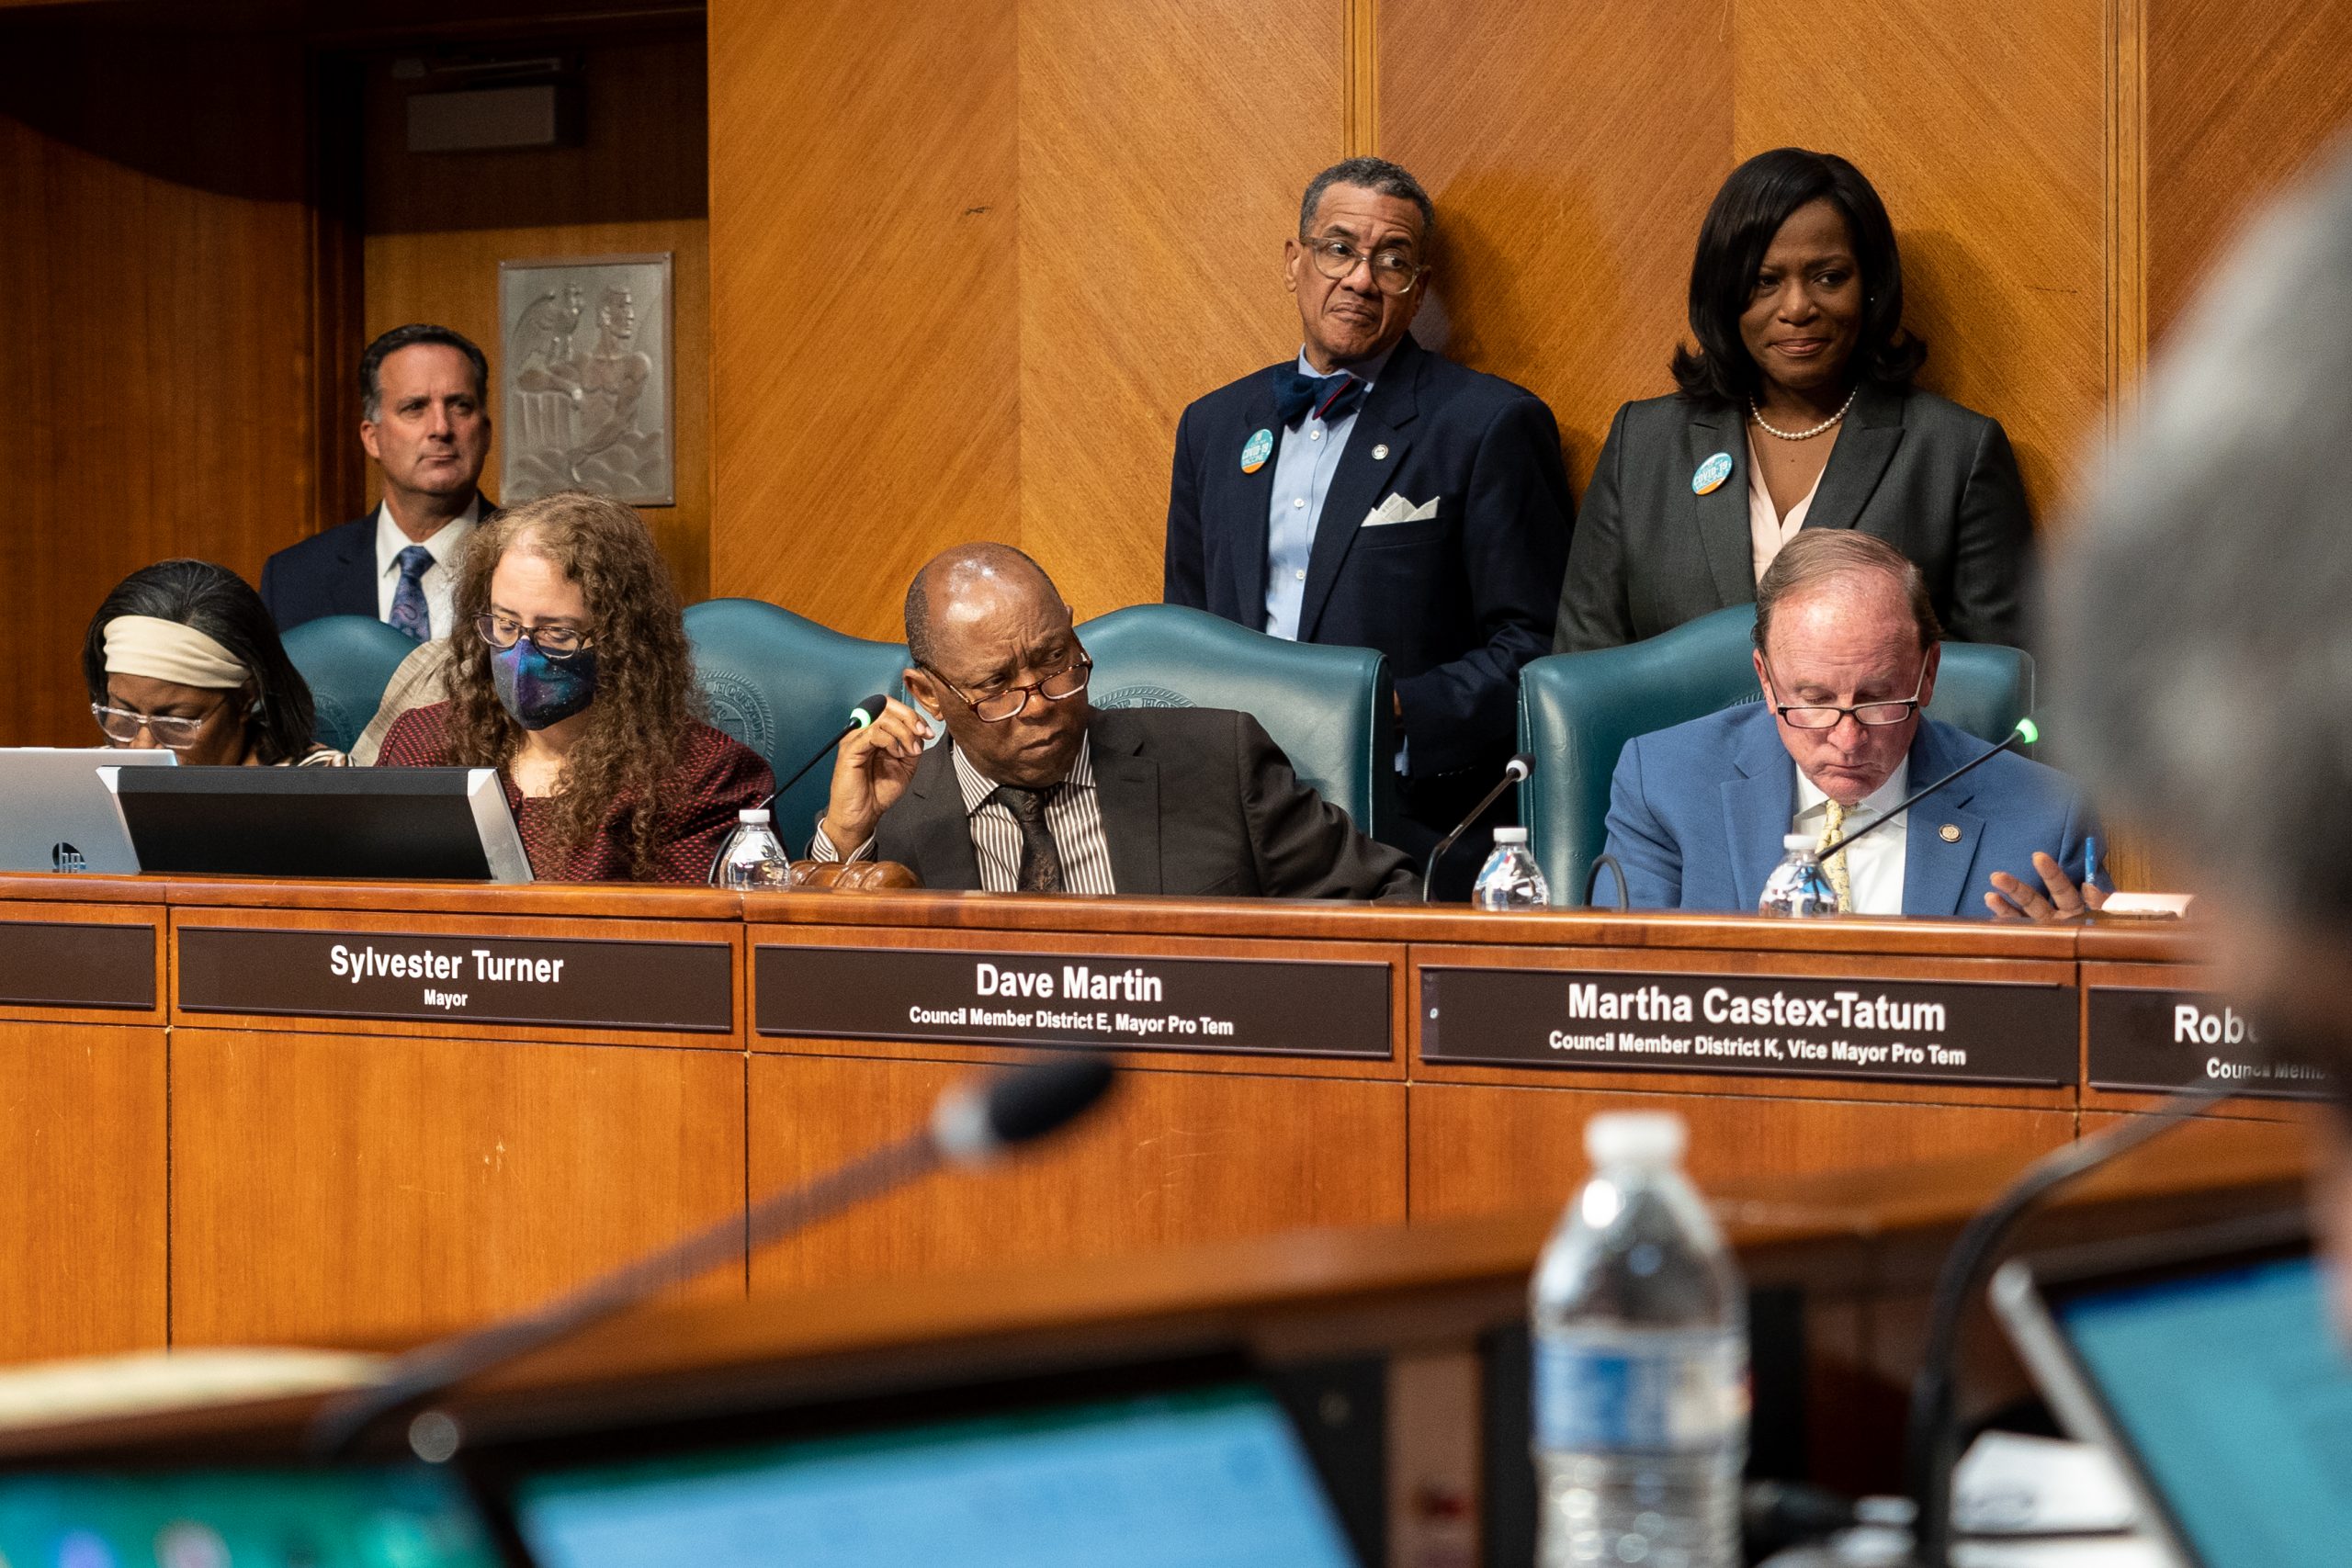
(1332, 397)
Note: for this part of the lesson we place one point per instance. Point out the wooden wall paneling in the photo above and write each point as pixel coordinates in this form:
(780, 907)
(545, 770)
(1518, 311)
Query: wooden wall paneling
(1164, 146)
(156, 372)
(333, 1188)
(438, 224)
(82, 1115)
(1479, 1149)
(1175, 1158)
(864, 301)
(1981, 127)
(1572, 151)
(2241, 101)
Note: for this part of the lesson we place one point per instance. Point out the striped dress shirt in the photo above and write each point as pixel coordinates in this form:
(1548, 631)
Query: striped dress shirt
(1074, 815)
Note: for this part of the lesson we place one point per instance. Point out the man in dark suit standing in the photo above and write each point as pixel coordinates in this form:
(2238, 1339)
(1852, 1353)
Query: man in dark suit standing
(1373, 494)
(1034, 790)
(423, 418)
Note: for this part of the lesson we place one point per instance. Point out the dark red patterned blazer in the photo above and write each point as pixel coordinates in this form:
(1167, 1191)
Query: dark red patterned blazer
(716, 776)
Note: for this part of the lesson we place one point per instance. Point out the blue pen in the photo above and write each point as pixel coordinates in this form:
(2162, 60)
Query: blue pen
(2090, 863)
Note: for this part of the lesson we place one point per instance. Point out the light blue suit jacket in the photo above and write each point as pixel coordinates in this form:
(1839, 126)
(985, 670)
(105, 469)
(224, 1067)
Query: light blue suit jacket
(1696, 813)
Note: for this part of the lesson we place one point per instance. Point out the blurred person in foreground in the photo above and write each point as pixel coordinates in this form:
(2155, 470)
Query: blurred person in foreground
(2202, 613)
(574, 679)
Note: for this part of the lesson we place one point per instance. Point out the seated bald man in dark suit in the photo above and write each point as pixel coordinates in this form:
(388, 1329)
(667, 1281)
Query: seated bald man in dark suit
(1034, 791)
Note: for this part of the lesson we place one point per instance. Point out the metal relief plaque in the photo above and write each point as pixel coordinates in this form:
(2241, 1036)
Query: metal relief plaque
(599, 983)
(2160, 1041)
(1900, 1031)
(588, 377)
(59, 963)
(1274, 1007)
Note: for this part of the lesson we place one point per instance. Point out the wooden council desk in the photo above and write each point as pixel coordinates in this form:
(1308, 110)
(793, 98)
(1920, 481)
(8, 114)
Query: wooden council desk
(312, 1112)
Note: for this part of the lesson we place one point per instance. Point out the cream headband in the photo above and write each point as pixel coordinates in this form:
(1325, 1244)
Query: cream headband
(166, 650)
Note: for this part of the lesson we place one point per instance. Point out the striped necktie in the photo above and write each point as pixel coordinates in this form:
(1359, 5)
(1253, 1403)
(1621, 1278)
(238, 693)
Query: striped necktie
(1836, 865)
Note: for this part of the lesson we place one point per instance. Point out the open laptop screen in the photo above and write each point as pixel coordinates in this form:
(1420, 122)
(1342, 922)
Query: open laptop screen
(2236, 1401)
(1213, 1477)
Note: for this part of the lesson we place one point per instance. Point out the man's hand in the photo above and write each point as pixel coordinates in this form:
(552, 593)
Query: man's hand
(870, 771)
(2012, 899)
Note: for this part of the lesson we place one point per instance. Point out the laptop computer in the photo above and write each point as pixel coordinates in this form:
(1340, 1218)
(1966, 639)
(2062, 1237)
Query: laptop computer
(2205, 1363)
(62, 815)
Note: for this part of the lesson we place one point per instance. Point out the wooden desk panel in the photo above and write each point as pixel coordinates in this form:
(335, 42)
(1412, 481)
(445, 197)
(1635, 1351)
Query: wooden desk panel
(59, 917)
(1484, 1150)
(329, 1187)
(82, 1212)
(1176, 1157)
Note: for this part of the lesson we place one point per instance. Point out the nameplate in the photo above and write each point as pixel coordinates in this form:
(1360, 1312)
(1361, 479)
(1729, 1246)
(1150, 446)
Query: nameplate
(1901, 1031)
(597, 984)
(67, 965)
(2159, 1040)
(1269, 1007)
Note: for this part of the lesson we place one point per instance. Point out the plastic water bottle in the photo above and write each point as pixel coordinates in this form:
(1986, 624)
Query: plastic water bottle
(1798, 886)
(1510, 879)
(754, 856)
(1640, 1364)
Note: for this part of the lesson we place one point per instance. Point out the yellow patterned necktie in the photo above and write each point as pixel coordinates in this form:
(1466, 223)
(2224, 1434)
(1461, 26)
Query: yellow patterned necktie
(1836, 865)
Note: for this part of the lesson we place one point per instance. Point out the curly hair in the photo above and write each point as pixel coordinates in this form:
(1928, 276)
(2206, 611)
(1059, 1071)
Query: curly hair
(646, 700)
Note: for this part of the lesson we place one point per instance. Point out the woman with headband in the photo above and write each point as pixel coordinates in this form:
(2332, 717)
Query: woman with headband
(184, 655)
(571, 674)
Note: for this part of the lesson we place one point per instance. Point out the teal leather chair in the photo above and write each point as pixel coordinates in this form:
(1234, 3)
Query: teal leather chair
(346, 660)
(1577, 710)
(784, 685)
(1328, 708)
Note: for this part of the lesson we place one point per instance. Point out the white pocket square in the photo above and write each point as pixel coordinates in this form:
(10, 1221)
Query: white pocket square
(1397, 508)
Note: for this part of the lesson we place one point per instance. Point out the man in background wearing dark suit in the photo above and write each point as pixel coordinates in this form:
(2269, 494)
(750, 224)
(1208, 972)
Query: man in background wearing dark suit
(423, 419)
(1373, 494)
(1036, 792)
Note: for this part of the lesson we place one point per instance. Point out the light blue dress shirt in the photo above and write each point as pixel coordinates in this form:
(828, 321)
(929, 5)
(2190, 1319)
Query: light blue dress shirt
(1305, 459)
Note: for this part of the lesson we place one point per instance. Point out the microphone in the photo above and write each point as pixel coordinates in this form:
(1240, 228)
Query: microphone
(1928, 1456)
(863, 714)
(1514, 771)
(972, 1125)
(2025, 734)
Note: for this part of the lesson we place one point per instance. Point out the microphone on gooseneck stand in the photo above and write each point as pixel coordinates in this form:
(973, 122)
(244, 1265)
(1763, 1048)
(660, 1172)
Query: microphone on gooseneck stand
(970, 1126)
(1516, 770)
(860, 716)
(2025, 734)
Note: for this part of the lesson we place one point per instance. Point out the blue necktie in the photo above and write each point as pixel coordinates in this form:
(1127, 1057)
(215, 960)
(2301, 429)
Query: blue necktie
(1332, 397)
(409, 613)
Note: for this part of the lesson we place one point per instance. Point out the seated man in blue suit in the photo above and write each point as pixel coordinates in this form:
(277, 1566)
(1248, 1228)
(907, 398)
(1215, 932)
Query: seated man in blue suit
(423, 417)
(1370, 493)
(1846, 652)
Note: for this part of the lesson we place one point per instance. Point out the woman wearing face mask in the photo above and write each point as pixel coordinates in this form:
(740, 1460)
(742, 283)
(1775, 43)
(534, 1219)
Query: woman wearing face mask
(569, 674)
(184, 655)
(1795, 410)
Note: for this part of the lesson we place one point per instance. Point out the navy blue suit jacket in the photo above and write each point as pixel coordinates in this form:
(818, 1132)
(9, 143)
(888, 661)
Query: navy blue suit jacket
(332, 573)
(1696, 813)
(1457, 601)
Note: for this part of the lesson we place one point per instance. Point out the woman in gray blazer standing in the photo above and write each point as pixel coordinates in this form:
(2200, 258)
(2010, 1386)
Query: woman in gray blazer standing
(1796, 410)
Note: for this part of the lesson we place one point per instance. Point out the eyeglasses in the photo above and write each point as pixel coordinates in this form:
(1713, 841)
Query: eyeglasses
(1393, 271)
(1012, 701)
(1873, 716)
(556, 642)
(121, 725)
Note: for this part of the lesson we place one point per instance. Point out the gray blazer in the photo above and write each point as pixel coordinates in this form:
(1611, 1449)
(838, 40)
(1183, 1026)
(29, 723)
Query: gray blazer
(1934, 479)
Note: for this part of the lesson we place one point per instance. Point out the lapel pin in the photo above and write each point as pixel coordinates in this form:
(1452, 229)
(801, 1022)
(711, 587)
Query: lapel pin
(1711, 474)
(1380, 452)
(1949, 833)
(1256, 450)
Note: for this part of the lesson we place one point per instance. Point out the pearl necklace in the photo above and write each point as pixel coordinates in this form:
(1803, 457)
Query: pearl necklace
(1803, 435)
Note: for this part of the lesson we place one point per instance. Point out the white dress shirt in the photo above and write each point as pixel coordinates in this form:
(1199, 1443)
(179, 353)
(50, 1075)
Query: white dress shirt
(1874, 866)
(1768, 527)
(440, 580)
